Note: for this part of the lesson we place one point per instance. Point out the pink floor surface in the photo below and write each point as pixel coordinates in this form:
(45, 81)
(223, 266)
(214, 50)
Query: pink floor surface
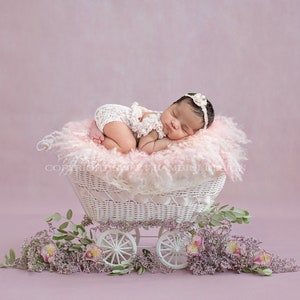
(278, 236)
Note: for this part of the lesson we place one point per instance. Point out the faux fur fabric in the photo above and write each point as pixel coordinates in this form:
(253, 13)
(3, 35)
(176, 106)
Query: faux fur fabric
(217, 149)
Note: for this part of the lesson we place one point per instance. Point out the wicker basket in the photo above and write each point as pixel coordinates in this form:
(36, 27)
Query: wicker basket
(104, 202)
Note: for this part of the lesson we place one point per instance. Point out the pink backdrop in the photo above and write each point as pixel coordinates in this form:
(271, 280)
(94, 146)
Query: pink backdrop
(61, 59)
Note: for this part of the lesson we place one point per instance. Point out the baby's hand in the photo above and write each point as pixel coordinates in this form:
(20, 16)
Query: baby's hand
(95, 134)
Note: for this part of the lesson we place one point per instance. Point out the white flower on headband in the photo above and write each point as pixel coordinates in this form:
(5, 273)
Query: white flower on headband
(201, 101)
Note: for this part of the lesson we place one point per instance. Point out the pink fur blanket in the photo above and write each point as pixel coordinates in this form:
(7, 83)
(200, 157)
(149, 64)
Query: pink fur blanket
(182, 165)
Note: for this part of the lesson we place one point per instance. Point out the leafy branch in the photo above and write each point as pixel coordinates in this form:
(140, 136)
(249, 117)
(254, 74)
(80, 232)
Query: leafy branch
(10, 260)
(216, 216)
(69, 234)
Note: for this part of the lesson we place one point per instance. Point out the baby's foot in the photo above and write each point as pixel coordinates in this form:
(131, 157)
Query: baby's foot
(95, 134)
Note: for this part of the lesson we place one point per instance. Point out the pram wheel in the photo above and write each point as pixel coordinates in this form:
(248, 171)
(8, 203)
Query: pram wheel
(118, 247)
(171, 249)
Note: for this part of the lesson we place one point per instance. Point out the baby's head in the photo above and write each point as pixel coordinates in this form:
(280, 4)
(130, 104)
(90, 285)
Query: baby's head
(187, 115)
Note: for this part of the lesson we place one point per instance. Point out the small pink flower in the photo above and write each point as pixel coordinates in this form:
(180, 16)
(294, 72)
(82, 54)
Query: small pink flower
(93, 252)
(234, 248)
(196, 246)
(262, 259)
(48, 251)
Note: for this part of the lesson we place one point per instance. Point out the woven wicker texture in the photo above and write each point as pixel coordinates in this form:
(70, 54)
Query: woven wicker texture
(103, 202)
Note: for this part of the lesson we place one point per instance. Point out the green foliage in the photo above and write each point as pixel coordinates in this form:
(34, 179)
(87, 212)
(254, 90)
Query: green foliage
(122, 269)
(217, 215)
(10, 259)
(72, 248)
(68, 233)
(69, 214)
(140, 265)
(55, 217)
(259, 271)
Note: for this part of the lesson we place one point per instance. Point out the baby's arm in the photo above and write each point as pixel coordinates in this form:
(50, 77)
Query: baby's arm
(150, 143)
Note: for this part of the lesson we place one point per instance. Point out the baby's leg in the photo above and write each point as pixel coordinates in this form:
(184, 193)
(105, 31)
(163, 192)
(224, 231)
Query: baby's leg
(118, 135)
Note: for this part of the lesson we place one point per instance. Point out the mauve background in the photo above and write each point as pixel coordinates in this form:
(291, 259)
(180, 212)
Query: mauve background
(59, 60)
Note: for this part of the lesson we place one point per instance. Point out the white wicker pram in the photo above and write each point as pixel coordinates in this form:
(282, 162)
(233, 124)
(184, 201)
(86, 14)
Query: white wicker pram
(117, 208)
(103, 202)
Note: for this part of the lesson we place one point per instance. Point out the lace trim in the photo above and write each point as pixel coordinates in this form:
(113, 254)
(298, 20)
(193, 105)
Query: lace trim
(144, 127)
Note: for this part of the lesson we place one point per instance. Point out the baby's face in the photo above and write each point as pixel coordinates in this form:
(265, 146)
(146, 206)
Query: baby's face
(179, 121)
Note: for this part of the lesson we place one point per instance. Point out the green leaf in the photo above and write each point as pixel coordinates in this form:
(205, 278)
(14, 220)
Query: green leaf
(69, 237)
(146, 252)
(267, 272)
(85, 241)
(216, 220)
(118, 267)
(246, 270)
(49, 219)
(59, 244)
(76, 246)
(12, 255)
(69, 214)
(73, 227)
(119, 272)
(213, 208)
(239, 213)
(222, 207)
(246, 220)
(7, 260)
(62, 231)
(214, 223)
(264, 271)
(141, 270)
(56, 217)
(64, 225)
(80, 227)
(58, 237)
(230, 215)
(239, 221)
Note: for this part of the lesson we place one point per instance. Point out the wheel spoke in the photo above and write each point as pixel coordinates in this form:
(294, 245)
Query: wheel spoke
(108, 256)
(176, 259)
(171, 258)
(126, 248)
(167, 246)
(111, 240)
(116, 238)
(124, 258)
(167, 254)
(107, 251)
(126, 253)
(171, 240)
(108, 244)
(121, 240)
(118, 258)
(126, 242)
(113, 257)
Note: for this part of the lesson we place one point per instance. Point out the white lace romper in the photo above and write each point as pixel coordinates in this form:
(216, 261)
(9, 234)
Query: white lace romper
(131, 116)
